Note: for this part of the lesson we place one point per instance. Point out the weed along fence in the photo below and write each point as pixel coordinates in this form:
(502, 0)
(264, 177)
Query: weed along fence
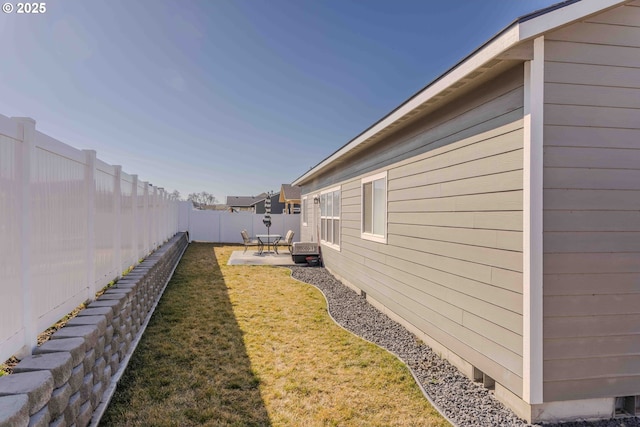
(70, 223)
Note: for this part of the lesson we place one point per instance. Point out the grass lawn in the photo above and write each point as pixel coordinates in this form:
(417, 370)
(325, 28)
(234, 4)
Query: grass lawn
(249, 346)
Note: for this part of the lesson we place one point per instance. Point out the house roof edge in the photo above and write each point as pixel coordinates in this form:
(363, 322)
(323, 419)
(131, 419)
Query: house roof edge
(523, 28)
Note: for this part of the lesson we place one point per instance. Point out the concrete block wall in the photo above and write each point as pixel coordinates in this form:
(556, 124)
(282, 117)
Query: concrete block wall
(64, 381)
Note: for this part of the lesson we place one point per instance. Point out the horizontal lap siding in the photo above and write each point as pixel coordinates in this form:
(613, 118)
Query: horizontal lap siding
(482, 109)
(591, 208)
(452, 265)
(455, 222)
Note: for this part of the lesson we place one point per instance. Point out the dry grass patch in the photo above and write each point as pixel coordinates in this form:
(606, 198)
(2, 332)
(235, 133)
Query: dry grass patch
(248, 345)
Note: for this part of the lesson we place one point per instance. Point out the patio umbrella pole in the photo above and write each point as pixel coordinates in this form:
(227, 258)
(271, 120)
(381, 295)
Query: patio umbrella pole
(267, 217)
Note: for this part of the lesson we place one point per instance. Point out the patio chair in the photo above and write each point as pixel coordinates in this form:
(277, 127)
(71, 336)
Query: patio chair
(286, 241)
(248, 241)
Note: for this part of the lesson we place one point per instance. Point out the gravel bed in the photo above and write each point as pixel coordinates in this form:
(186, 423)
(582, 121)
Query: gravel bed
(462, 401)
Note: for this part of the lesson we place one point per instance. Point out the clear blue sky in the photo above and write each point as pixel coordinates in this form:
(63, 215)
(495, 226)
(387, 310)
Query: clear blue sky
(232, 97)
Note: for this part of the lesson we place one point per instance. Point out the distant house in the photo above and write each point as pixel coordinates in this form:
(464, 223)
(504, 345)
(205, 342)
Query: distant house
(495, 212)
(254, 204)
(276, 206)
(290, 197)
(244, 203)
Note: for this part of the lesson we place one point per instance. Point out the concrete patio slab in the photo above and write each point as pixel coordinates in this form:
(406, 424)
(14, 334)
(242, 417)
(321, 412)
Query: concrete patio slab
(253, 258)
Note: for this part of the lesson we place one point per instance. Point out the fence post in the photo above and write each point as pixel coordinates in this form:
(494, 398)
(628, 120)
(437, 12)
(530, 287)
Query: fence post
(134, 215)
(117, 207)
(90, 188)
(26, 129)
(161, 223)
(154, 219)
(145, 219)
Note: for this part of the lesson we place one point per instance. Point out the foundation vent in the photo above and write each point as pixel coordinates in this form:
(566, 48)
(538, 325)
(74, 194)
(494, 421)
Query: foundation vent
(486, 380)
(627, 406)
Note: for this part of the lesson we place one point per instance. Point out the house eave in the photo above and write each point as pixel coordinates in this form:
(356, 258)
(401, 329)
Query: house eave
(511, 44)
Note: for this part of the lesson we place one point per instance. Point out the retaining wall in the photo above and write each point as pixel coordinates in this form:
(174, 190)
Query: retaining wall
(72, 376)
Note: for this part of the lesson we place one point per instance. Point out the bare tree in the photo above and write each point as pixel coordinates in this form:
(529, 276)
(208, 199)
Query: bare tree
(202, 200)
(175, 195)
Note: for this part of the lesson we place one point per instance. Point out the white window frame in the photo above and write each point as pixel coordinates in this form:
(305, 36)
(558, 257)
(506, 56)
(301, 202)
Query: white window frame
(331, 217)
(304, 211)
(380, 238)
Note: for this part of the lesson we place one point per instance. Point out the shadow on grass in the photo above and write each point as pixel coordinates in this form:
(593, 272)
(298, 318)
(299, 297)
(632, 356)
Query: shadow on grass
(191, 366)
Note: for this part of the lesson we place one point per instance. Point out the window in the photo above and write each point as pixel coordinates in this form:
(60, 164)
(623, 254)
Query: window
(374, 208)
(305, 211)
(330, 217)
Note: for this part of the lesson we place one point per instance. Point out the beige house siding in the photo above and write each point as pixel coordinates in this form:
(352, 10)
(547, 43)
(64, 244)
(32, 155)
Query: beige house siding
(591, 205)
(452, 264)
(491, 105)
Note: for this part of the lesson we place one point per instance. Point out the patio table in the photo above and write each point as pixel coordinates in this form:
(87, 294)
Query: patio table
(270, 240)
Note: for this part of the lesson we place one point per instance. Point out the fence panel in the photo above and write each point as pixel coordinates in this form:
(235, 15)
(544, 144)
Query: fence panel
(204, 226)
(225, 227)
(70, 223)
(11, 309)
(104, 224)
(58, 238)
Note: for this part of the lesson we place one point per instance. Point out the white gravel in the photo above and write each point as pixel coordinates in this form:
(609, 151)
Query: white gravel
(463, 402)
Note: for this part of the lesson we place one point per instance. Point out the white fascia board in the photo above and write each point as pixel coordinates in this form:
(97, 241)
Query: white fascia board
(502, 42)
(565, 15)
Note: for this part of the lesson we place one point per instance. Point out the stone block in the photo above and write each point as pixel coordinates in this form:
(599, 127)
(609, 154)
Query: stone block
(84, 418)
(59, 422)
(59, 364)
(99, 321)
(127, 323)
(128, 339)
(75, 346)
(42, 418)
(59, 400)
(137, 272)
(116, 305)
(14, 410)
(129, 284)
(72, 410)
(107, 374)
(125, 311)
(98, 370)
(100, 347)
(108, 334)
(116, 324)
(77, 375)
(38, 387)
(128, 289)
(90, 333)
(89, 361)
(123, 298)
(115, 362)
(122, 350)
(108, 351)
(96, 394)
(98, 311)
(87, 386)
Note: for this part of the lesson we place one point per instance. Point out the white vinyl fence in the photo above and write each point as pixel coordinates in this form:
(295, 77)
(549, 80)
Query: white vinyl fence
(225, 227)
(69, 224)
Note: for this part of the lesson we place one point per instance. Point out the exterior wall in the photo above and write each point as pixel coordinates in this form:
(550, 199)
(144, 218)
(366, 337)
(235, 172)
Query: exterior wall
(452, 264)
(591, 204)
